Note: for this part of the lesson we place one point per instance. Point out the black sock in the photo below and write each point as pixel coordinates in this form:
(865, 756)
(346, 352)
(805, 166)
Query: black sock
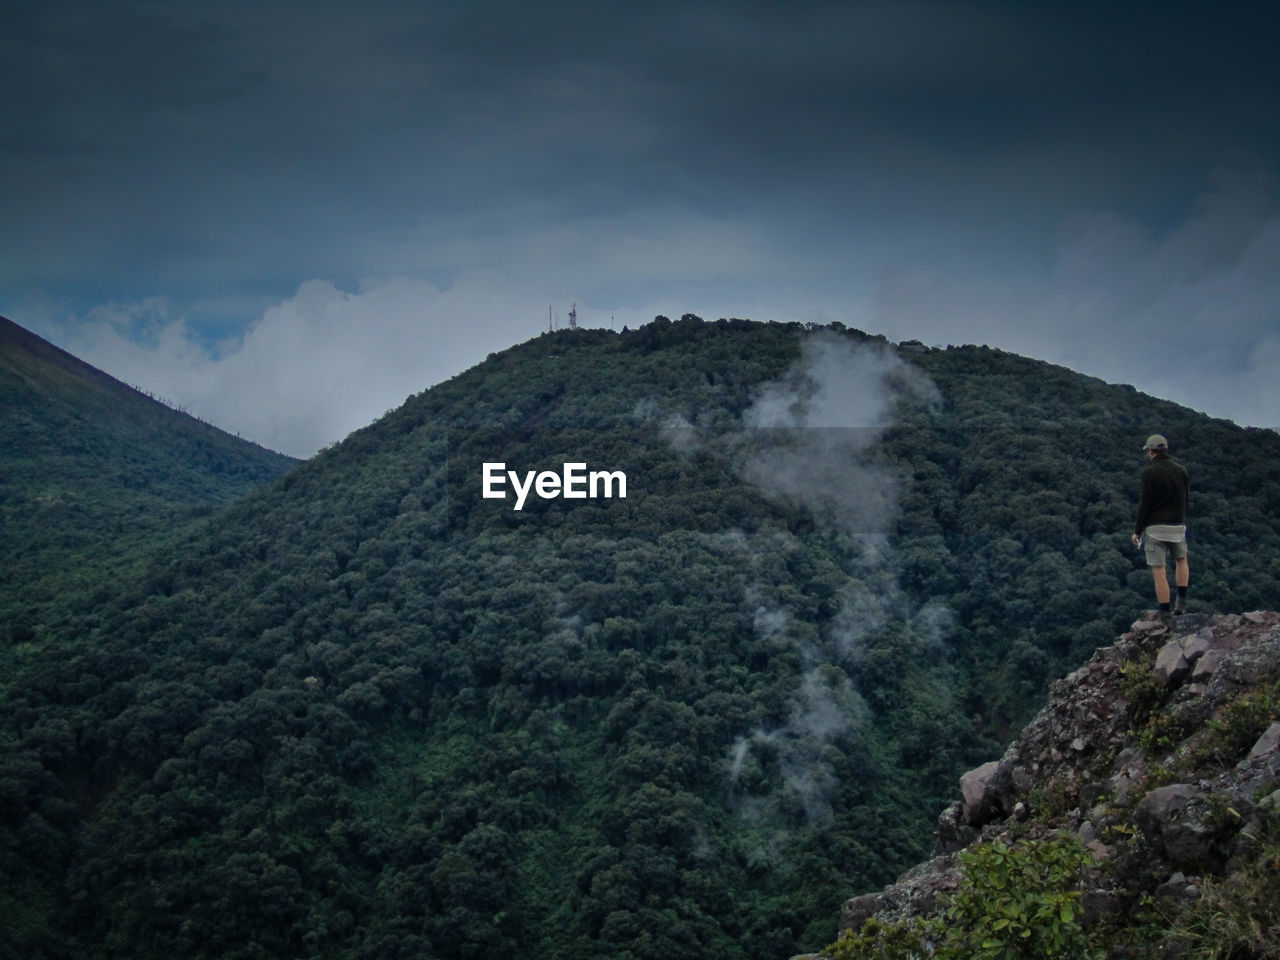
(1164, 607)
(1182, 593)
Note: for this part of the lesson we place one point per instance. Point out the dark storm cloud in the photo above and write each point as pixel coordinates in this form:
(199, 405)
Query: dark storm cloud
(204, 122)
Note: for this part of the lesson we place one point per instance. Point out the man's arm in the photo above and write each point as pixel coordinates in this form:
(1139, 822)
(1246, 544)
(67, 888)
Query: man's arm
(1144, 504)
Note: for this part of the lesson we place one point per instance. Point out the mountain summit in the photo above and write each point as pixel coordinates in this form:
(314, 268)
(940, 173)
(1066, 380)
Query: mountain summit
(369, 710)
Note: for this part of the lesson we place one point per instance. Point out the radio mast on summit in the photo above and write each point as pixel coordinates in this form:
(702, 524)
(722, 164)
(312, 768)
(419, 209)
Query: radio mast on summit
(573, 316)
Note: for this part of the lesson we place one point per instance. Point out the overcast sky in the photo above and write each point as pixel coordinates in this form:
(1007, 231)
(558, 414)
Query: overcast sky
(289, 216)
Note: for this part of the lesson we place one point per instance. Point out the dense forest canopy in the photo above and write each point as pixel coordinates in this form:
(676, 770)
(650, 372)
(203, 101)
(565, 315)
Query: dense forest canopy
(364, 711)
(91, 473)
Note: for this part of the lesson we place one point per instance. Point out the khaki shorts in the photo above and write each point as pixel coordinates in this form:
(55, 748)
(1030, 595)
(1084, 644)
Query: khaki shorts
(1156, 550)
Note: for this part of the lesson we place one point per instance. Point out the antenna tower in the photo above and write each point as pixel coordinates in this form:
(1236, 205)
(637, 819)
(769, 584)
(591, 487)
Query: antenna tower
(573, 316)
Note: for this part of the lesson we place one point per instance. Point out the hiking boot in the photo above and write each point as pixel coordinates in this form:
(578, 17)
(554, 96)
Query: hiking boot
(1180, 606)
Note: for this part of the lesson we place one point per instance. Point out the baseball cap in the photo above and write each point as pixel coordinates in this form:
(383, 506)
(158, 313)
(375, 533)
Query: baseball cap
(1156, 442)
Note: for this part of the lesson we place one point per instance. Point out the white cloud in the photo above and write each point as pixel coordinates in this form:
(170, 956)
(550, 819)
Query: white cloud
(312, 368)
(1191, 313)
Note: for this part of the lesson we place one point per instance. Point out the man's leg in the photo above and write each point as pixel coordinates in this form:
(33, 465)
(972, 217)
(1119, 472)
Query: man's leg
(1162, 587)
(1157, 556)
(1182, 577)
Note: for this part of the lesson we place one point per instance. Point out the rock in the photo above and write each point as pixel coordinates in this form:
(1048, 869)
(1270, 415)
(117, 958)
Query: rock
(981, 801)
(1171, 666)
(1130, 760)
(1122, 788)
(1254, 616)
(1267, 743)
(1193, 648)
(1097, 905)
(1257, 662)
(1148, 626)
(1077, 768)
(1091, 793)
(952, 834)
(1176, 888)
(1174, 818)
(1022, 780)
(1162, 805)
(1207, 664)
(1245, 852)
(857, 910)
(1101, 852)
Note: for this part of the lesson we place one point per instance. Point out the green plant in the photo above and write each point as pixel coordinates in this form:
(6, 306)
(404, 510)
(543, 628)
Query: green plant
(1140, 931)
(1228, 735)
(1145, 695)
(882, 941)
(1019, 900)
(624, 690)
(1160, 732)
(1051, 800)
(1015, 900)
(1158, 776)
(1116, 832)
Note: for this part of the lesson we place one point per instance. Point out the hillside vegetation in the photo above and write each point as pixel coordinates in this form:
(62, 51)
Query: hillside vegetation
(91, 471)
(366, 712)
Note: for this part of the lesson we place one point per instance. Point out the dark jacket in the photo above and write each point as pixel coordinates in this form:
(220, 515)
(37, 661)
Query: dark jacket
(1163, 495)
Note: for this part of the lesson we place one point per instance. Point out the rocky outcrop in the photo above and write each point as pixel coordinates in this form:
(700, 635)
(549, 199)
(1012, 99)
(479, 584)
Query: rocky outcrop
(1162, 754)
(1181, 823)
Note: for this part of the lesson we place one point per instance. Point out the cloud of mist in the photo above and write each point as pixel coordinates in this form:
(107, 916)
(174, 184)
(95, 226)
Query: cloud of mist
(827, 709)
(811, 438)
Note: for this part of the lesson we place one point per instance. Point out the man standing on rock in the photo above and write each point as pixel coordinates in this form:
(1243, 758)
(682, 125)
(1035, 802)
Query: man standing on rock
(1162, 521)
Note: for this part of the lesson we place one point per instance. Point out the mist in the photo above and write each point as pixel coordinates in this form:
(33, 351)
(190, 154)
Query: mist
(811, 439)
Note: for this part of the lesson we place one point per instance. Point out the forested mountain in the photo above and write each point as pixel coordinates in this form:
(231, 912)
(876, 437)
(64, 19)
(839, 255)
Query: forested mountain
(92, 469)
(366, 711)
